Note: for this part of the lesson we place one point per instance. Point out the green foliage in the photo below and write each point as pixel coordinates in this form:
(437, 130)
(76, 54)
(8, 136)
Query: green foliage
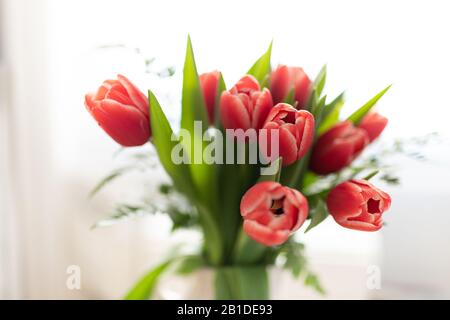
(190, 264)
(193, 105)
(144, 288)
(295, 259)
(181, 218)
(331, 114)
(371, 175)
(124, 212)
(357, 116)
(248, 251)
(318, 212)
(220, 88)
(319, 82)
(311, 280)
(242, 282)
(164, 144)
(261, 68)
(292, 254)
(109, 178)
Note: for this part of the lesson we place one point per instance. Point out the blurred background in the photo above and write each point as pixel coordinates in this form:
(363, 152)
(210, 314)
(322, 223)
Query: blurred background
(52, 153)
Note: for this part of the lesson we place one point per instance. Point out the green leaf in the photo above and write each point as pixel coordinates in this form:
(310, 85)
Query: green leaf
(224, 286)
(220, 88)
(123, 212)
(312, 281)
(193, 104)
(359, 114)
(162, 139)
(319, 82)
(109, 178)
(248, 251)
(181, 217)
(261, 68)
(371, 175)
(318, 109)
(309, 179)
(143, 289)
(193, 109)
(331, 114)
(292, 175)
(189, 264)
(242, 283)
(295, 257)
(290, 98)
(319, 213)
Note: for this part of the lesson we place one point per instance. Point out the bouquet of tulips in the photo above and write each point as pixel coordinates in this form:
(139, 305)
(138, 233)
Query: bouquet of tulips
(254, 163)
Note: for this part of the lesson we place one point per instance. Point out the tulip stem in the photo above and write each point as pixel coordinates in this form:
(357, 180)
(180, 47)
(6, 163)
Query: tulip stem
(295, 180)
(248, 251)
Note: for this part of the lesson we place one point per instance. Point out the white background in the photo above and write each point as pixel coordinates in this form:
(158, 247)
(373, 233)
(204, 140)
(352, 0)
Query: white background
(53, 152)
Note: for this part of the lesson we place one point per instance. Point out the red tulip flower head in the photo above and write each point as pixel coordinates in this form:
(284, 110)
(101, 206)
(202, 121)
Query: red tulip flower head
(295, 133)
(284, 79)
(245, 106)
(272, 212)
(358, 205)
(122, 111)
(337, 148)
(373, 124)
(209, 83)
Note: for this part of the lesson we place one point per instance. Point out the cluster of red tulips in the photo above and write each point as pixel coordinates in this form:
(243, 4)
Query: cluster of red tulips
(310, 140)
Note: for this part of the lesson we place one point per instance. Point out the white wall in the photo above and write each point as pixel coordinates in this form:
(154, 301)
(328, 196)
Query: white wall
(57, 152)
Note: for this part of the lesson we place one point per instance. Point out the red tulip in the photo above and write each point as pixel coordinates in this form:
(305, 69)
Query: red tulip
(337, 148)
(272, 212)
(122, 111)
(295, 133)
(209, 82)
(358, 204)
(284, 79)
(374, 124)
(245, 106)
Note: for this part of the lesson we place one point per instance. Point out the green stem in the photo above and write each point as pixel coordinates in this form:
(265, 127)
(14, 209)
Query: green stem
(247, 251)
(212, 238)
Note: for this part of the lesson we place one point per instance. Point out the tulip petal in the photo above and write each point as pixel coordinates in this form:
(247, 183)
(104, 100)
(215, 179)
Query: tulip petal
(305, 125)
(280, 83)
(125, 124)
(138, 98)
(288, 146)
(263, 105)
(359, 225)
(373, 124)
(247, 84)
(259, 197)
(265, 235)
(357, 204)
(302, 86)
(233, 113)
(118, 94)
(209, 83)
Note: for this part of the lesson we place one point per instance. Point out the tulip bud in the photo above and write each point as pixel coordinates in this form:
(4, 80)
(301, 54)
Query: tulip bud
(272, 212)
(358, 205)
(337, 148)
(284, 79)
(209, 83)
(122, 111)
(245, 106)
(374, 124)
(295, 133)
